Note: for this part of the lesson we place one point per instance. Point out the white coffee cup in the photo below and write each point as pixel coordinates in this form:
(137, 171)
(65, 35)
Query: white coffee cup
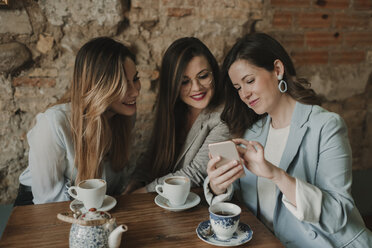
(224, 218)
(175, 189)
(91, 192)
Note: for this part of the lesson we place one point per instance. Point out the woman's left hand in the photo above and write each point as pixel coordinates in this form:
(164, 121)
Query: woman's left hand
(254, 160)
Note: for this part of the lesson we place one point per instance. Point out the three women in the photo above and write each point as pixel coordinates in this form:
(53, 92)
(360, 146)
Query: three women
(296, 155)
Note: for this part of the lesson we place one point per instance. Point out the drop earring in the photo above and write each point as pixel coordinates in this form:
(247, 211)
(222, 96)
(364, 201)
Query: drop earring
(282, 84)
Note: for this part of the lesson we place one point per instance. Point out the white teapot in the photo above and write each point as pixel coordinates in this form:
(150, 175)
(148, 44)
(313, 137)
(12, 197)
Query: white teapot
(93, 229)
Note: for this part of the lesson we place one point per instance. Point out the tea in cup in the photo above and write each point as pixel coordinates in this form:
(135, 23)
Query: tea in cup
(91, 192)
(224, 218)
(175, 189)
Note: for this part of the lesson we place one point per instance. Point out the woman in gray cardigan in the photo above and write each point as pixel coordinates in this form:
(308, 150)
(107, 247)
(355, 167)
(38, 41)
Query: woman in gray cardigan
(296, 155)
(187, 116)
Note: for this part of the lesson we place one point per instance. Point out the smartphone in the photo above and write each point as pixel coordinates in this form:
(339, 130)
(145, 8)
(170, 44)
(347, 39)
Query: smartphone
(226, 150)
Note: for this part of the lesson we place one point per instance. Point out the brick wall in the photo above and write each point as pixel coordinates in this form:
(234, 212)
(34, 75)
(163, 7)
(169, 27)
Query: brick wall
(325, 32)
(330, 42)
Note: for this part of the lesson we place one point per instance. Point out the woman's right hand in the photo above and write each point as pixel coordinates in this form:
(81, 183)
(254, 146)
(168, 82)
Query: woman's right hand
(222, 177)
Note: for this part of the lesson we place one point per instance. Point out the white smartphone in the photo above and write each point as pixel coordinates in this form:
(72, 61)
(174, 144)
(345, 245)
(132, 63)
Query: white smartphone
(226, 150)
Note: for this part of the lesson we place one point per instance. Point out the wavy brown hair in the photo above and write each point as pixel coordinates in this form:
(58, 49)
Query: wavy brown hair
(260, 50)
(170, 109)
(99, 80)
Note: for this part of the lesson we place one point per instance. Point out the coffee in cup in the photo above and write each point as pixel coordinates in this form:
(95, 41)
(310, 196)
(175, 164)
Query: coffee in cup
(175, 189)
(91, 192)
(224, 218)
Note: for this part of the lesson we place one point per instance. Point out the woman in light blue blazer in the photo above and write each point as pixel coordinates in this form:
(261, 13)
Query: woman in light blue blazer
(296, 155)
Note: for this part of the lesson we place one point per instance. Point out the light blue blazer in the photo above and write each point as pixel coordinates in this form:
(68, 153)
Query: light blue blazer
(317, 152)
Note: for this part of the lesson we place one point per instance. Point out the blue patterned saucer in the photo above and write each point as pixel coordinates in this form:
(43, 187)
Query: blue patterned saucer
(242, 235)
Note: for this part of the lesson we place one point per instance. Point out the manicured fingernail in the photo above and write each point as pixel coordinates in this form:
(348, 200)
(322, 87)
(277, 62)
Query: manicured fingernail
(235, 162)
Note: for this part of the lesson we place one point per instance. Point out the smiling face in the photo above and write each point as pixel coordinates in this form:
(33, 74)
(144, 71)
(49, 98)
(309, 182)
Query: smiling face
(197, 84)
(127, 105)
(257, 87)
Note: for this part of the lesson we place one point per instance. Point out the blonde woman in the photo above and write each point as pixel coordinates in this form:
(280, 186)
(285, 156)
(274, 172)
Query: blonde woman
(87, 133)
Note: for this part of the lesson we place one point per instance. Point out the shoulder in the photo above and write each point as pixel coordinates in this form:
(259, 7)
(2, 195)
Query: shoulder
(212, 118)
(52, 123)
(56, 117)
(256, 129)
(322, 118)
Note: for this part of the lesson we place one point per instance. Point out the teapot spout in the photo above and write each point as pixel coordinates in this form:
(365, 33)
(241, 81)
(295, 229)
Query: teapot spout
(114, 239)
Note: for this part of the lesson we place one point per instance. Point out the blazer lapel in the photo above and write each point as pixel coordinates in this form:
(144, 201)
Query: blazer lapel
(191, 136)
(258, 132)
(296, 134)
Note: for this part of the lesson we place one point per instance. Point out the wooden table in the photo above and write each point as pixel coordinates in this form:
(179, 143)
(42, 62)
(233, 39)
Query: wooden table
(149, 225)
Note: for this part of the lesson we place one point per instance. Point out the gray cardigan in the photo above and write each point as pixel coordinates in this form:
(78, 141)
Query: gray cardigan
(192, 161)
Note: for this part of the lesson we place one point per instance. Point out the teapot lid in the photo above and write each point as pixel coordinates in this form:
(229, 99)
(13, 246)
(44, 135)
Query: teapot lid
(93, 214)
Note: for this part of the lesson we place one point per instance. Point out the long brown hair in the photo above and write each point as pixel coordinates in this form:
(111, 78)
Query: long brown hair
(260, 50)
(99, 80)
(170, 109)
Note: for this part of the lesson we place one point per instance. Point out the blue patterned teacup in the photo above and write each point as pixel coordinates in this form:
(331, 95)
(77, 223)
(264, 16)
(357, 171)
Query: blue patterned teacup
(224, 218)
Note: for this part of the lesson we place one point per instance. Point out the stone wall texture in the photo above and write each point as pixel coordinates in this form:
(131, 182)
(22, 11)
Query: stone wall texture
(330, 42)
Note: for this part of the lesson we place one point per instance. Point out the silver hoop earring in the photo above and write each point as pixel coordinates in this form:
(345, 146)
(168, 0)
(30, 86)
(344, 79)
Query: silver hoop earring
(282, 84)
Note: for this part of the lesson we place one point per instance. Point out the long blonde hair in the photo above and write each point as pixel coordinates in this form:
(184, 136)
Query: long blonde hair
(99, 80)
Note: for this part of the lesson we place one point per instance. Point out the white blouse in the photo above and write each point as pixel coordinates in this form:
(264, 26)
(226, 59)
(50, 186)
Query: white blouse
(51, 167)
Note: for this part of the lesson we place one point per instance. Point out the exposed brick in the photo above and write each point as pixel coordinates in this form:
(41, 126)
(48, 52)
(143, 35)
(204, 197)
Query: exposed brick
(347, 57)
(290, 3)
(289, 40)
(34, 82)
(363, 4)
(228, 13)
(332, 4)
(309, 57)
(323, 39)
(343, 20)
(314, 20)
(179, 12)
(282, 19)
(358, 38)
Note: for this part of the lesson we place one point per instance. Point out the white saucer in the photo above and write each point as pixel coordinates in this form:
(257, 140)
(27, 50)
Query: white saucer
(191, 201)
(108, 203)
(242, 235)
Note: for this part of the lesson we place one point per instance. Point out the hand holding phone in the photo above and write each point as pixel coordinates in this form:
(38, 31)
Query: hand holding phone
(226, 150)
